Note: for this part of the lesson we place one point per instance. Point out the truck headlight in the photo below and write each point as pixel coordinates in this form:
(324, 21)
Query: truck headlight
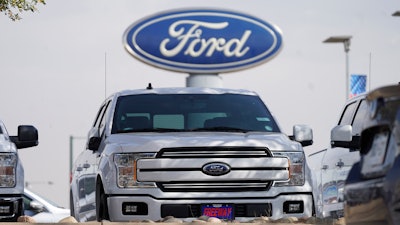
(8, 164)
(296, 168)
(126, 165)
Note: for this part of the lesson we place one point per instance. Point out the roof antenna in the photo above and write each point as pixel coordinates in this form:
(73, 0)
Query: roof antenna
(149, 87)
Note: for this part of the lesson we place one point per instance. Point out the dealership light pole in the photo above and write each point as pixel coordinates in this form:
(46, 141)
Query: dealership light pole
(346, 41)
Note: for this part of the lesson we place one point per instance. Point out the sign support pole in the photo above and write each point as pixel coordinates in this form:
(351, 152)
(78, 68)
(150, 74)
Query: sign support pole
(204, 80)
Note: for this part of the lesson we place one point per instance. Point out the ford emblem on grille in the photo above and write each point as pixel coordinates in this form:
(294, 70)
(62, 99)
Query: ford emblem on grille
(216, 169)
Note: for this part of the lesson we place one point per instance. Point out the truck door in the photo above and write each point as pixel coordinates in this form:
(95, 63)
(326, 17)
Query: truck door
(337, 161)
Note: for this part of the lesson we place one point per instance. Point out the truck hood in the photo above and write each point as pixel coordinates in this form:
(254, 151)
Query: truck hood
(153, 142)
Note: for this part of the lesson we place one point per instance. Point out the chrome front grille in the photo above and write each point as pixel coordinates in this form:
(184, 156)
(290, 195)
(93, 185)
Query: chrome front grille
(180, 169)
(215, 152)
(217, 187)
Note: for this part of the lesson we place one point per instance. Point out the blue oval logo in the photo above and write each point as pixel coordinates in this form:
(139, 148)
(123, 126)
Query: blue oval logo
(216, 169)
(202, 41)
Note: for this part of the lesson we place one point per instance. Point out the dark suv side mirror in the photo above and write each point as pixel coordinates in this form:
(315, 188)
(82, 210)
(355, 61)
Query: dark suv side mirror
(27, 137)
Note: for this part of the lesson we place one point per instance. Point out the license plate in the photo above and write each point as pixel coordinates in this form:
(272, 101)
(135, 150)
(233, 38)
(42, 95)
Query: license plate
(220, 211)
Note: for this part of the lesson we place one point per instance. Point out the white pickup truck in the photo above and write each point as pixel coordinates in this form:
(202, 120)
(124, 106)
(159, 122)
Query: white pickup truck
(331, 166)
(11, 170)
(188, 152)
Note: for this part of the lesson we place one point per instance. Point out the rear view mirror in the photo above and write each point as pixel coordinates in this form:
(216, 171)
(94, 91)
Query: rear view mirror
(94, 139)
(36, 206)
(94, 143)
(27, 137)
(303, 134)
(342, 133)
(342, 136)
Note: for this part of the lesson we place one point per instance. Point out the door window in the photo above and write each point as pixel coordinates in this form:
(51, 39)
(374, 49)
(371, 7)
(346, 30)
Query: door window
(359, 118)
(348, 113)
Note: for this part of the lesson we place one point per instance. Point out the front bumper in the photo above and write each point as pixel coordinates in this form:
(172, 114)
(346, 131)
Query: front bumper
(11, 207)
(147, 207)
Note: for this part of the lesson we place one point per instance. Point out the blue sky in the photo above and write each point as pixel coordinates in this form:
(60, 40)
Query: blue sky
(58, 64)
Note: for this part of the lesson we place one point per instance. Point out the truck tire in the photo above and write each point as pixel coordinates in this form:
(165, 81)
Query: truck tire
(101, 203)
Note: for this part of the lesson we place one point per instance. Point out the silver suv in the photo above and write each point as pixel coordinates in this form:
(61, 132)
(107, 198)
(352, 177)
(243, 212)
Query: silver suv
(187, 152)
(11, 170)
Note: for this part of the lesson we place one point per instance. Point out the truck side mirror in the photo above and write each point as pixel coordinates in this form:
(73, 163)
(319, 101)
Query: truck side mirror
(94, 143)
(302, 134)
(27, 137)
(342, 136)
(36, 206)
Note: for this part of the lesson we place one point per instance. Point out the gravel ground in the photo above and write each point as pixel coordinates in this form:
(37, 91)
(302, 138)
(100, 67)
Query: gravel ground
(206, 219)
(264, 220)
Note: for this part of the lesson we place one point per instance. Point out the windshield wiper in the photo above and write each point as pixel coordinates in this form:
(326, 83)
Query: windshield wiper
(161, 130)
(221, 129)
(150, 130)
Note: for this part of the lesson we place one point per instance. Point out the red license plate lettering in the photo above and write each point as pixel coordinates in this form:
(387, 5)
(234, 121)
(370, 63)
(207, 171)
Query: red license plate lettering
(221, 211)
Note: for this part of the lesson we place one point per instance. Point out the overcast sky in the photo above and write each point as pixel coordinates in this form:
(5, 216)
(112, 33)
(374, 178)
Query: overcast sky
(58, 64)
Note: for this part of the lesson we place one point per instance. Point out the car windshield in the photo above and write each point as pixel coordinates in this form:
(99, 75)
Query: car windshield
(192, 112)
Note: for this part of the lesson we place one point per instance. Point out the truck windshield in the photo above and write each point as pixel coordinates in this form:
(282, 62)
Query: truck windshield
(192, 112)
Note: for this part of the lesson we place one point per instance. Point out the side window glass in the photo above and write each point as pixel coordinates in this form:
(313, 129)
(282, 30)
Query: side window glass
(90, 185)
(359, 118)
(27, 202)
(102, 120)
(348, 114)
(3, 131)
(81, 188)
(28, 211)
(97, 121)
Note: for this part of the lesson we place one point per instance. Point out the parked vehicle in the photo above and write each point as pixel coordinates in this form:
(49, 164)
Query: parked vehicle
(41, 209)
(331, 166)
(371, 191)
(12, 171)
(187, 152)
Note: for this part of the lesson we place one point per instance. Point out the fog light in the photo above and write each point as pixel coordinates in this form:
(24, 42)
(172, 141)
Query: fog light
(134, 208)
(5, 209)
(293, 207)
(131, 208)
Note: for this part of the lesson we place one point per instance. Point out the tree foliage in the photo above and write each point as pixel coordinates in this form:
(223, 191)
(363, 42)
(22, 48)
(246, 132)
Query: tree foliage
(13, 8)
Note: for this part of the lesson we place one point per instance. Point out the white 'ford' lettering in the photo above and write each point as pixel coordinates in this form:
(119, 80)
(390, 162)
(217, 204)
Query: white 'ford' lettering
(198, 46)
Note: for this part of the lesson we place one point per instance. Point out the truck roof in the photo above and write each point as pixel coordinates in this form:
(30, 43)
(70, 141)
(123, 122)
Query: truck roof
(384, 92)
(185, 90)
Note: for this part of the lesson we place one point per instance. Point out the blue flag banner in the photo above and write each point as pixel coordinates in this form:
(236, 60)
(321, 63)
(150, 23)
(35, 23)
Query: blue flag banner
(358, 84)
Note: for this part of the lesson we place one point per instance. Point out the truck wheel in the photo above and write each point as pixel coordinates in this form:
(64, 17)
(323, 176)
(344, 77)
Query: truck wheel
(101, 203)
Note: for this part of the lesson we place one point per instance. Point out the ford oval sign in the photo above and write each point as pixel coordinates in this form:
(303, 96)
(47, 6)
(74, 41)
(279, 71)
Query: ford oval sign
(202, 41)
(216, 169)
